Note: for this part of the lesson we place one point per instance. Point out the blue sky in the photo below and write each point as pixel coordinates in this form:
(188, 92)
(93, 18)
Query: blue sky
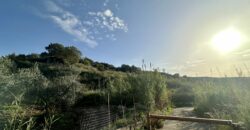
(172, 35)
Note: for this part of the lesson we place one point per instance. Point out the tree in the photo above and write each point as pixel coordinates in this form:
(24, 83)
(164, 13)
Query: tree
(71, 55)
(176, 75)
(58, 53)
(127, 68)
(55, 49)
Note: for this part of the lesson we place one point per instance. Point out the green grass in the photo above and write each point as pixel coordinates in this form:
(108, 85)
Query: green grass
(221, 98)
(225, 98)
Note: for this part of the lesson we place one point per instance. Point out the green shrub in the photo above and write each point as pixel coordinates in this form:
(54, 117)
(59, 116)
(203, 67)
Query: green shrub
(159, 124)
(183, 96)
(94, 98)
(149, 90)
(223, 101)
(121, 123)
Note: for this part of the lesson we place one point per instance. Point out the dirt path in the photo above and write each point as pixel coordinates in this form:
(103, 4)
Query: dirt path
(179, 125)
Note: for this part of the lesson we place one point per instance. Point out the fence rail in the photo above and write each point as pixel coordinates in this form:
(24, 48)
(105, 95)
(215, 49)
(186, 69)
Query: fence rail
(236, 126)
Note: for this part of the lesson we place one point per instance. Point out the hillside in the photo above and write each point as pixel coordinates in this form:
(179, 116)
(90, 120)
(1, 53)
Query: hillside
(55, 90)
(56, 82)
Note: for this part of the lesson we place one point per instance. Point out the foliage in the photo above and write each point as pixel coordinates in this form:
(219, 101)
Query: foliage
(127, 68)
(25, 82)
(183, 96)
(224, 100)
(157, 124)
(93, 80)
(182, 91)
(49, 121)
(120, 91)
(18, 82)
(14, 116)
(87, 61)
(59, 79)
(150, 90)
(221, 98)
(121, 123)
(68, 55)
(92, 98)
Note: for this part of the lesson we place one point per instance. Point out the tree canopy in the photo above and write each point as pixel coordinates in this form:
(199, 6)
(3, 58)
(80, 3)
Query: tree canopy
(67, 55)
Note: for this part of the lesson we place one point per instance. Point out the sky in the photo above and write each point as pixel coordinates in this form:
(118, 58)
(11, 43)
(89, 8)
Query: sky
(174, 36)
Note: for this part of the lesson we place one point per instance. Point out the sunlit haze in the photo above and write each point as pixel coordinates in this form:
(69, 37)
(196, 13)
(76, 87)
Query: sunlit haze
(228, 40)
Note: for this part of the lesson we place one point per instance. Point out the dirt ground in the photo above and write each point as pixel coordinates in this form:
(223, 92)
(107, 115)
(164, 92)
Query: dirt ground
(181, 125)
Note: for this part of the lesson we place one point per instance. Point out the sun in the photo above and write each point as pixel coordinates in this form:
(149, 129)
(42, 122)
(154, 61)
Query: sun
(227, 40)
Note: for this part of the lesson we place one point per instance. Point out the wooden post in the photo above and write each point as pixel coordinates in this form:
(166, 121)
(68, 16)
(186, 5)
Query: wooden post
(148, 121)
(135, 121)
(109, 111)
(193, 119)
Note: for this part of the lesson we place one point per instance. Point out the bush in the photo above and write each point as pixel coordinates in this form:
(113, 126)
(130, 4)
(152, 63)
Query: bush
(94, 98)
(121, 123)
(183, 96)
(69, 55)
(149, 90)
(223, 101)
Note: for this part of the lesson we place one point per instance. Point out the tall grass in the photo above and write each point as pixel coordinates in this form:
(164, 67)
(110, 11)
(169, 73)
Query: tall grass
(224, 99)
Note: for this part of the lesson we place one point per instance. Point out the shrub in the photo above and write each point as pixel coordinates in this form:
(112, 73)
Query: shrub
(121, 123)
(94, 98)
(183, 96)
(223, 101)
(149, 90)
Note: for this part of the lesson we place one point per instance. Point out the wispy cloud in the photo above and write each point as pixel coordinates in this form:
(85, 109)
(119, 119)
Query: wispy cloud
(244, 53)
(185, 66)
(69, 23)
(193, 63)
(90, 28)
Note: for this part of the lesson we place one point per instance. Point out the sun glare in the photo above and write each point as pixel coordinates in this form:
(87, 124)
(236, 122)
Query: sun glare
(227, 40)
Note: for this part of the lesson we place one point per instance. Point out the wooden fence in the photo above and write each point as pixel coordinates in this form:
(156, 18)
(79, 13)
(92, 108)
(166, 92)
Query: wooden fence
(236, 126)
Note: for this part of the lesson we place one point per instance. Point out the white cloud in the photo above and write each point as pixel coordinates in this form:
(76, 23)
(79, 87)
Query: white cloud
(108, 20)
(108, 13)
(52, 7)
(69, 23)
(88, 30)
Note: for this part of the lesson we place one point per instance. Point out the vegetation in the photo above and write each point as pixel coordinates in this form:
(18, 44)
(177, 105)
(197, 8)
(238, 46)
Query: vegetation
(41, 91)
(224, 99)
(182, 91)
(220, 98)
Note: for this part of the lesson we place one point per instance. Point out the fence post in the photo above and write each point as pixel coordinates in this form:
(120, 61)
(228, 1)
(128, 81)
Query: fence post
(148, 121)
(109, 111)
(135, 121)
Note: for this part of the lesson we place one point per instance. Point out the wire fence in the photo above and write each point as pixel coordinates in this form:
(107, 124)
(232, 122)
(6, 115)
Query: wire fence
(96, 118)
(104, 118)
